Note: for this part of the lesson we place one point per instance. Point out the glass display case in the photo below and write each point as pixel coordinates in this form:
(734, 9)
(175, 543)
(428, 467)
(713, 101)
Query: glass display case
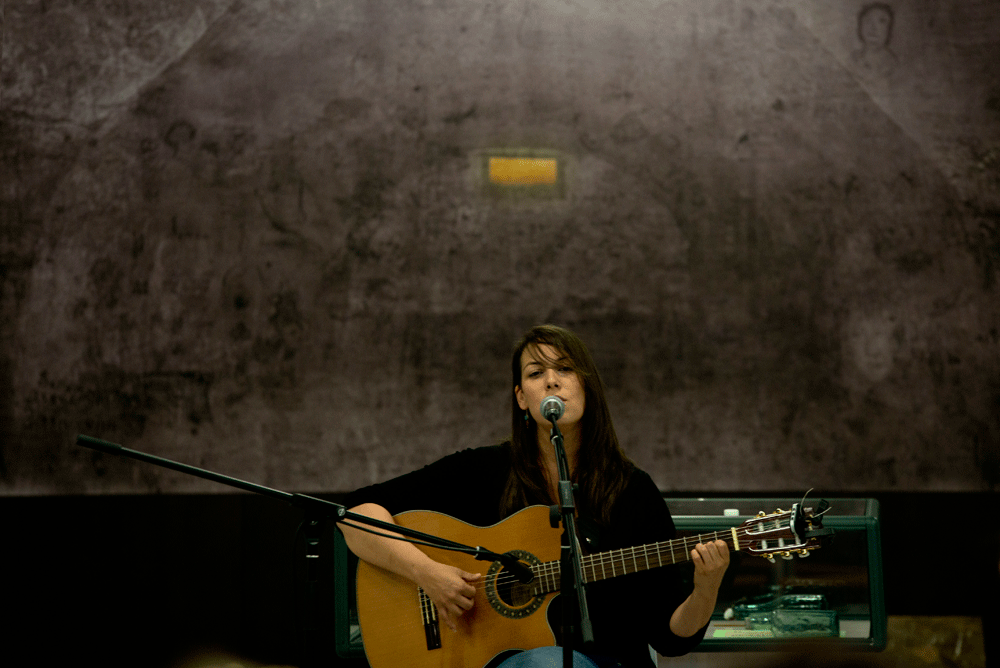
(833, 593)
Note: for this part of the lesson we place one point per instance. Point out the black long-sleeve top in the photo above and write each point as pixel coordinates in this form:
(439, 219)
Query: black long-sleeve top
(629, 612)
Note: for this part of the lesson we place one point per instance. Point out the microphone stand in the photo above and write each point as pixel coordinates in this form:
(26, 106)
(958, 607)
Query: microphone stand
(314, 506)
(574, 598)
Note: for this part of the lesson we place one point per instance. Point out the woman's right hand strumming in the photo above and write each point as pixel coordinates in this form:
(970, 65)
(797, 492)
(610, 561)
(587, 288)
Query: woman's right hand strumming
(451, 589)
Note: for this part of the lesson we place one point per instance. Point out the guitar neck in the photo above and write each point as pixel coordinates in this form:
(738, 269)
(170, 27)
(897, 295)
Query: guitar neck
(610, 564)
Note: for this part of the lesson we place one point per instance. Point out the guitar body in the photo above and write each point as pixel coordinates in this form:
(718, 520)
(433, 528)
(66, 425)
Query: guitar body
(392, 616)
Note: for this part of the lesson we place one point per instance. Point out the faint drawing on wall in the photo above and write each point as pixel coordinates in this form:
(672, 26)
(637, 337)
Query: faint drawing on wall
(874, 58)
(872, 343)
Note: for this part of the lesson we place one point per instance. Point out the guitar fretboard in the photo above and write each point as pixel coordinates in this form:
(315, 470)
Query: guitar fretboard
(610, 564)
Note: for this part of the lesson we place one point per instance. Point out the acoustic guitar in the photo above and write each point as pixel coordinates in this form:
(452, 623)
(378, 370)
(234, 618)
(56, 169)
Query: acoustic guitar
(400, 625)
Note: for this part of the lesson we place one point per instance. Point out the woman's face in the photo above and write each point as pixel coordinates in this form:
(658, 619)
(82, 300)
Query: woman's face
(547, 372)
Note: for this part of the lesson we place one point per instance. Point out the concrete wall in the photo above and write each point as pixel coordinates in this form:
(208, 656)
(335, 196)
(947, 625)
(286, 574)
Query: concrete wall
(253, 236)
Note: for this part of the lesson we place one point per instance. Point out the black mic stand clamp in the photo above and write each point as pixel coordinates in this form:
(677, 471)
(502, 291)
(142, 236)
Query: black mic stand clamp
(574, 598)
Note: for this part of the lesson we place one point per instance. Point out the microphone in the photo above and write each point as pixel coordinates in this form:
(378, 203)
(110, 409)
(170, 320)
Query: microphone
(520, 570)
(552, 408)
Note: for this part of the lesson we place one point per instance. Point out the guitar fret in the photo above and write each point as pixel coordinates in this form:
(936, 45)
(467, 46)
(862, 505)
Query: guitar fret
(595, 567)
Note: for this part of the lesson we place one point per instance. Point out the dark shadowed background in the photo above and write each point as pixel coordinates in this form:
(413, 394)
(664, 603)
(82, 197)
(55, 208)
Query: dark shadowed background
(256, 237)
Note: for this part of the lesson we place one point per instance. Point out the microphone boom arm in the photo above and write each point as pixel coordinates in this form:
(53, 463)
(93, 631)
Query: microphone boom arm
(310, 503)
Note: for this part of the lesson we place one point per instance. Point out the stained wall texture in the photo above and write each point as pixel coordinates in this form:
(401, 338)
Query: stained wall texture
(255, 236)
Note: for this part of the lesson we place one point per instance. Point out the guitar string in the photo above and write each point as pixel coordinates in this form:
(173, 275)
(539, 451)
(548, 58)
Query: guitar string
(428, 611)
(551, 570)
(607, 560)
(656, 551)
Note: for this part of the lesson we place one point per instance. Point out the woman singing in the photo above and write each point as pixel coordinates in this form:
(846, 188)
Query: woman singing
(617, 504)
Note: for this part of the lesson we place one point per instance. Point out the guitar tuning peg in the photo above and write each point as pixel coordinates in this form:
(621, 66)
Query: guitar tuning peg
(803, 554)
(786, 555)
(770, 558)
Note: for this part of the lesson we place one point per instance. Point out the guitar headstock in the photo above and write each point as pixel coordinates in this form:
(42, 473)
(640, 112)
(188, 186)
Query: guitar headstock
(784, 533)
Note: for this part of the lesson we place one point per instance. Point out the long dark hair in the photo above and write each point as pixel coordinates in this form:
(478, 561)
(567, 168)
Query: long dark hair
(602, 469)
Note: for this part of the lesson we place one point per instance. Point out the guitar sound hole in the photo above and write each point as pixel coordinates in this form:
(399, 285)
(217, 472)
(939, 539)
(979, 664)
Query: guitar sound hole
(513, 593)
(509, 597)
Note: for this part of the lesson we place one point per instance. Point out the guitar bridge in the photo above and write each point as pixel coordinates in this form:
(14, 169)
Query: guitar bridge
(432, 627)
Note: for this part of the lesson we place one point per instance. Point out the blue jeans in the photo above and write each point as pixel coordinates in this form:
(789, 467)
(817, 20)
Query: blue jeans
(545, 657)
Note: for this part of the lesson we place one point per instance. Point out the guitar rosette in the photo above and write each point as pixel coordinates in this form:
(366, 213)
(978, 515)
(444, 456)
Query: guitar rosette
(510, 597)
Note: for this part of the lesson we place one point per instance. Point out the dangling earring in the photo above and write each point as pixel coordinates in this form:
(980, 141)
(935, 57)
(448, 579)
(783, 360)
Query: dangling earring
(527, 417)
